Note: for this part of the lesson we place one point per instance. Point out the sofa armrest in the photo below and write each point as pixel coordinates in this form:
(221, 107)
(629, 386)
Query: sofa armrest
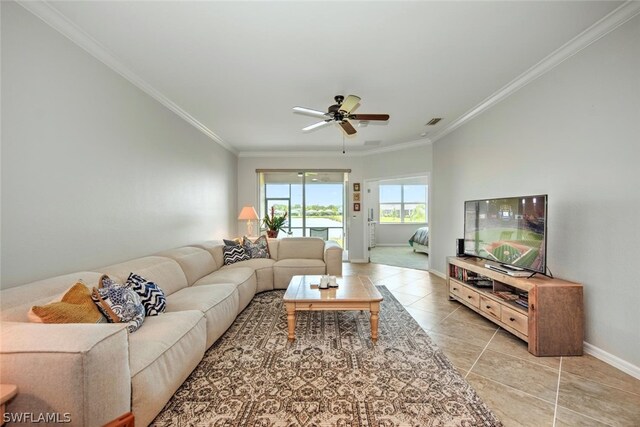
(79, 371)
(333, 258)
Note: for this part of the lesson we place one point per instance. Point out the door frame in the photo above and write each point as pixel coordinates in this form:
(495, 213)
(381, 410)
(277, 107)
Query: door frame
(366, 205)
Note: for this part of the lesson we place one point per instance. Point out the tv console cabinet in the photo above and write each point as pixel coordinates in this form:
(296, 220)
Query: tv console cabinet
(553, 322)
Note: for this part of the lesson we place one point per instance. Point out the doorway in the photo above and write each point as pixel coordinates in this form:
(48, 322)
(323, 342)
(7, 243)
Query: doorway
(398, 226)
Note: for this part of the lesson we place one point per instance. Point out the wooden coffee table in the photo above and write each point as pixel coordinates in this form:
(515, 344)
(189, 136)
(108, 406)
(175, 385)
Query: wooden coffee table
(352, 293)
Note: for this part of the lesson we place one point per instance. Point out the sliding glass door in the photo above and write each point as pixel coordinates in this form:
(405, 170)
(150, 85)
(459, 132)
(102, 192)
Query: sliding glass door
(314, 200)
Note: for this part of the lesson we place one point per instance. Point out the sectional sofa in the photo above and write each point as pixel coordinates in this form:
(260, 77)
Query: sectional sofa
(97, 372)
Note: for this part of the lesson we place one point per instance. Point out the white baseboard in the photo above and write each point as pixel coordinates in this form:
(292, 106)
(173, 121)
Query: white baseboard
(359, 261)
(612, 360)
(437, 273)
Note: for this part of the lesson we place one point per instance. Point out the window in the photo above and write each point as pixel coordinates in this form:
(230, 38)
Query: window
(403, 203)
(314, 201)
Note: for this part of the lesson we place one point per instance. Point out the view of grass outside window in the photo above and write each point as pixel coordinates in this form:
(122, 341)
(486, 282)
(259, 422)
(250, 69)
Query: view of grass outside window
(403, 203)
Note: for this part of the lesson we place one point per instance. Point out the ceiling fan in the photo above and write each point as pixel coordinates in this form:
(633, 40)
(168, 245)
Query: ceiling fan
(341, 112)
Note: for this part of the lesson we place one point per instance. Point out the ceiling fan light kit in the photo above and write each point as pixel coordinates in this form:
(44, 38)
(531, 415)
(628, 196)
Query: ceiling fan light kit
(340, 112)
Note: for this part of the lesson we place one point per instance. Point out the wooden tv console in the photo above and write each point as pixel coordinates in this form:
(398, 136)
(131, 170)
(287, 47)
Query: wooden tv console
(553, 323)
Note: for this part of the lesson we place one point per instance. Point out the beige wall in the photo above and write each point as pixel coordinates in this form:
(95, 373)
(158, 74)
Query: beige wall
(94, 171)
(574, 134)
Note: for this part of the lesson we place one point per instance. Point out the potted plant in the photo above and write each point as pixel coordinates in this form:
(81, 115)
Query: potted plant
(275, 223)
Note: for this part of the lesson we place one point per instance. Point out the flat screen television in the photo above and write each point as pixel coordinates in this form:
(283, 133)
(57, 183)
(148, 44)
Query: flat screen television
(510, 231)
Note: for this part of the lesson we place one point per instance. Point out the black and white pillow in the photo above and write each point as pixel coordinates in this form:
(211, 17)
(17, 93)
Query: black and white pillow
(151, 295)
(233, 254)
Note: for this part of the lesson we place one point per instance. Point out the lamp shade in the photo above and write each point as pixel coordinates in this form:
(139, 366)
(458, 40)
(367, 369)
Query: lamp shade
(248, 213)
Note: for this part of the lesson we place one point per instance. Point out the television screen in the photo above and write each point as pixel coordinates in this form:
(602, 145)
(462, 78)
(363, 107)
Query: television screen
(510, 231)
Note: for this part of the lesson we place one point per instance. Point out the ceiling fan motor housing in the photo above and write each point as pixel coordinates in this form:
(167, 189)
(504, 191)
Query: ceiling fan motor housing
(334, 110)
(341, 113)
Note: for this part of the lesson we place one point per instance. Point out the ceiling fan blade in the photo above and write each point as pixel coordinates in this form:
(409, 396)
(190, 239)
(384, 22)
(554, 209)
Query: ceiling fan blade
(349, 103)
(346, 126)
(309, 112)
(382, 117)
(316, 125)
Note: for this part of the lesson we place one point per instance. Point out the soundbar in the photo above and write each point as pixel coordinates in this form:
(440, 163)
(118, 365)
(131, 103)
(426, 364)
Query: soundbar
(508, 270)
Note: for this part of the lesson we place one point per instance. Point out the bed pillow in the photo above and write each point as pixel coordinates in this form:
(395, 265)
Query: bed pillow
(258, 248)
(151, 295)
(233, 254)
(75, 306)
(120, 304)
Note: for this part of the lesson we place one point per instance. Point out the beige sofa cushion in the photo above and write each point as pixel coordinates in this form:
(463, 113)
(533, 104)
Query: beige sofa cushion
(301, 247)
(214, 247)
(195, 262)
(16, 302)
(58, 368)
(284, 270)
(333, 258)
(219, 303)
(235, 275)
(274, 244)
(165, 272)
(243, 277)
(263, 270)
(163, 353)
(255, 264)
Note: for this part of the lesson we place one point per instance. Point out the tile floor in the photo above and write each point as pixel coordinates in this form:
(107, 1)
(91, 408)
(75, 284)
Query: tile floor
(523, 390)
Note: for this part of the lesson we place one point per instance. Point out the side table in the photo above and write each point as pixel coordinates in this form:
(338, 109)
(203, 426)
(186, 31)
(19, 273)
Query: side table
(7, 392)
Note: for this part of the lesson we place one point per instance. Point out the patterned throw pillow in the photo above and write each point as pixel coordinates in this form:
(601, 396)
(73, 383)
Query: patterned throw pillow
(75, 306)
(105, 281)
(233, 254)
(257, 249)
(120, 304)
(150, 294)
(235, 242)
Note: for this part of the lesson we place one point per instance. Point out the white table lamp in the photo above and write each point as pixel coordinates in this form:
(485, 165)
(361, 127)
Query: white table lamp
(248, 213)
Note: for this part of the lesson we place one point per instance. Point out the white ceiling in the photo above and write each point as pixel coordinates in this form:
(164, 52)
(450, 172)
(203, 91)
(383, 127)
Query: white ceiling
(239, 67)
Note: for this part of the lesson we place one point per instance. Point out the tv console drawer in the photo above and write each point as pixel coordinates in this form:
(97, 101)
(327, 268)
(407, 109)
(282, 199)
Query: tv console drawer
(517, 321)
(456, 289)
(469, 296)
(490, 307)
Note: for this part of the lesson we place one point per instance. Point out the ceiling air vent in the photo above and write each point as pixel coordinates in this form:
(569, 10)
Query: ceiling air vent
(372, 143)
(434, 121)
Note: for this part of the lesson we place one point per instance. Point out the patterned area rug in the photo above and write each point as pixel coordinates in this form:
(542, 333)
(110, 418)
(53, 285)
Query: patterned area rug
(331, 375)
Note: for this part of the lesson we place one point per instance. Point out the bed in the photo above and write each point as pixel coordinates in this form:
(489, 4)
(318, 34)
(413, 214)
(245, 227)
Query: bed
(420, 240)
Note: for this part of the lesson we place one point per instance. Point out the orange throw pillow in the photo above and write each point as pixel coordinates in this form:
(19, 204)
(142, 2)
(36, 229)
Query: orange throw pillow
(76, 306)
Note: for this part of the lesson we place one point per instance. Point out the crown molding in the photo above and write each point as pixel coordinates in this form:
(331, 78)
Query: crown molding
(54, 18)
(599, 29)
(50, 15)
(397, 147)
(337, 153)
(292, 154)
